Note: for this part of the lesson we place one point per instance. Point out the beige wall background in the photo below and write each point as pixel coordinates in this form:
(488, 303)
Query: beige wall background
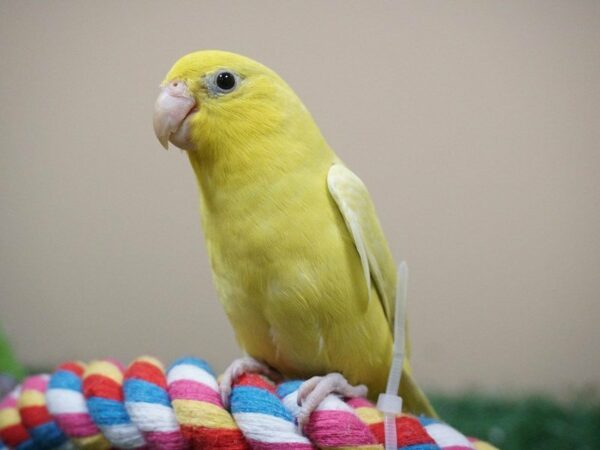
(476, 126)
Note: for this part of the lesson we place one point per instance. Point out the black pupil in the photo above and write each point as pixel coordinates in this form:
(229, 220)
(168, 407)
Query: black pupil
(225, 81)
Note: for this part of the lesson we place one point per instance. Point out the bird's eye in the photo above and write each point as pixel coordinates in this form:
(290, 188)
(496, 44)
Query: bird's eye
(222, 82)
(225, 81)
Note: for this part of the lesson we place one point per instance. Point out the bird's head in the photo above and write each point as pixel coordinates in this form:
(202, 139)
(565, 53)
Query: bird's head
(211, 98)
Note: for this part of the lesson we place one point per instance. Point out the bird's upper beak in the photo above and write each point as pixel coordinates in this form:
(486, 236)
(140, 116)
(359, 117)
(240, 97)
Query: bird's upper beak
(173, 105)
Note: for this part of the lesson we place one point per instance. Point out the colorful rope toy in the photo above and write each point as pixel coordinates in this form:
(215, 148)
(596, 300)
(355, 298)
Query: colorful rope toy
(103, 406)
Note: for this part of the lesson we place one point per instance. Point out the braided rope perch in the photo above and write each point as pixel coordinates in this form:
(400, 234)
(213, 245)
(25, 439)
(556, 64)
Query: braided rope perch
(102, 405)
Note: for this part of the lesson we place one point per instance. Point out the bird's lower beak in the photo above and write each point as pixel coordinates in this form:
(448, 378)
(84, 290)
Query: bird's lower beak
(172, 106)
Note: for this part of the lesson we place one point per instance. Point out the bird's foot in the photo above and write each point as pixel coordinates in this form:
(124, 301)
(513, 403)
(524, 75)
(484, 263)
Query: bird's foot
(238, 367)
(314, 390)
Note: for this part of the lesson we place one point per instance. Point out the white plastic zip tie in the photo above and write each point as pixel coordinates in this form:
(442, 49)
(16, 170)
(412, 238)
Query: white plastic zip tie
(390, 403)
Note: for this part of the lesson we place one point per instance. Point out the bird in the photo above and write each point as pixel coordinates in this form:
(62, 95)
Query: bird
(298, 256)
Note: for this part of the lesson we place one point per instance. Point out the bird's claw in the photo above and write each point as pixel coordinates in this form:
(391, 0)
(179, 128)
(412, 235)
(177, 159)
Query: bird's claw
(238, 367)
(314, 390)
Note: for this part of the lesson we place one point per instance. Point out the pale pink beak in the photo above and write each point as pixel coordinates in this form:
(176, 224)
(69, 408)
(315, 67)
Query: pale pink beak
(172, 106)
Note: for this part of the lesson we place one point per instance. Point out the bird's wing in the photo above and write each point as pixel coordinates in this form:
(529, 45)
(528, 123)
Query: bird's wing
(353, 200)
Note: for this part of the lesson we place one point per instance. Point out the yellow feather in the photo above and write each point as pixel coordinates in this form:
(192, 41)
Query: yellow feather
(285, 265)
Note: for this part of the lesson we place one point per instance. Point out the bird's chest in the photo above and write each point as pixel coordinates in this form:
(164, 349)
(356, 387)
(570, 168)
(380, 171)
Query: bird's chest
(266, 249)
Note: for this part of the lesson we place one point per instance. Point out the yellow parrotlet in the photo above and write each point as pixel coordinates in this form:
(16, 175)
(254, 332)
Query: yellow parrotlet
(298, 256)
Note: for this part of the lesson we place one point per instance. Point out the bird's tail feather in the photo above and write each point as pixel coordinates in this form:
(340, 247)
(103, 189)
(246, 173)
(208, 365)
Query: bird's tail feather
(414, 399)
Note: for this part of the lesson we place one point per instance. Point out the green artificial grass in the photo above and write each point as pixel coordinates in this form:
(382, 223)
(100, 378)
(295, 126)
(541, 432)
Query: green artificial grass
(531, 423)
(8, 363)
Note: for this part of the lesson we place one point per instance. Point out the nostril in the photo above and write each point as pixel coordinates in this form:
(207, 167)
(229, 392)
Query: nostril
(177, 88)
